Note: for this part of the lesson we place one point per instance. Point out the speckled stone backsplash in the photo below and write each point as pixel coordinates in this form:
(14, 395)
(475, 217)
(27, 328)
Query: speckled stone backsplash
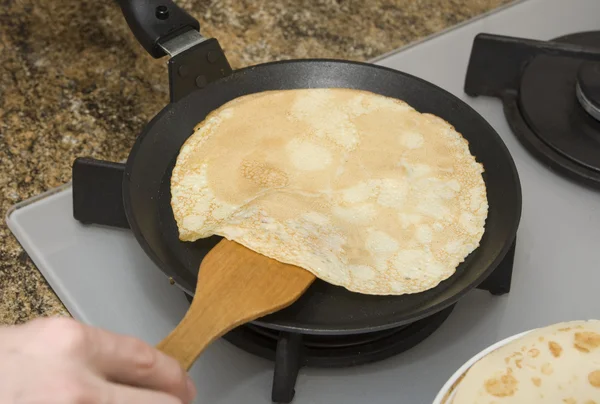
(73, 82)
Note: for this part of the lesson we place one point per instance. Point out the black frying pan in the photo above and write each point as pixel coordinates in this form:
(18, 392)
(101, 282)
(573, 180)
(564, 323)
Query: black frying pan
(201, 81)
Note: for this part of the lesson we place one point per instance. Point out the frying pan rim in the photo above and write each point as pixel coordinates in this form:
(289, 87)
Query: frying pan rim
(377, 326)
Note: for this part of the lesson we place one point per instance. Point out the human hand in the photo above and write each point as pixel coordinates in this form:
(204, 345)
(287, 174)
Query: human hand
(58, 360)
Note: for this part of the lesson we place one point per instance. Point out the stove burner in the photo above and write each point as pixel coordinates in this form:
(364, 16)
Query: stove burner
(98, 198)
(551, 96)
(588, 88)
(292, 351)
(550, 108)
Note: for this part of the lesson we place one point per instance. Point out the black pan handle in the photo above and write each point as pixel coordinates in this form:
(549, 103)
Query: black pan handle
(154, 21)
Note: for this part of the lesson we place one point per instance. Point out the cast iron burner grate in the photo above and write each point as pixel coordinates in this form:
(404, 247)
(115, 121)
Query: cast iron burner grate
(551, 96)
(97, 199)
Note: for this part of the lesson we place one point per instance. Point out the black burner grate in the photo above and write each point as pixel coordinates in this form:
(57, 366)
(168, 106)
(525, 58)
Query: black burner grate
(550, 94)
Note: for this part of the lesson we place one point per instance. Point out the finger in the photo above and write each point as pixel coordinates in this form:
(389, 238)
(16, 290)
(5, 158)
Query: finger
(130, 361)
(121, 394)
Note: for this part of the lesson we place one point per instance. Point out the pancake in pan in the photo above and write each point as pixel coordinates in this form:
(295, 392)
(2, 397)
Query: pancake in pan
(360, 189)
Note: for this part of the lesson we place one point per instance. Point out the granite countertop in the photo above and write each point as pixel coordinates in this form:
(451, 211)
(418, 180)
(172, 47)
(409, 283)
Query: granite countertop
(73, 82)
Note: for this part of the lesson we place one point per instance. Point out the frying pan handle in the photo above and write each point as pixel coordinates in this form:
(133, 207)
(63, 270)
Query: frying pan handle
(154, 21)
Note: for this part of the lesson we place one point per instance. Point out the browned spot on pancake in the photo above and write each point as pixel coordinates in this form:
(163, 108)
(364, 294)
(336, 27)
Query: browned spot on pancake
(503, 386)
(547, 369)
(570, 401)
(533, 352)
(514, 355)
(518, 363)
(594, 378)
(555, 348)
(590, 402)
(564, 329)
(541, 339)
(537, 381)
(263, 175)
(586, 341)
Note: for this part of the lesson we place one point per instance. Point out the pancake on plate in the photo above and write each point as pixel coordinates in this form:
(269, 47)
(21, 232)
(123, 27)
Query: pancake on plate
(360, 189)
(558, 364)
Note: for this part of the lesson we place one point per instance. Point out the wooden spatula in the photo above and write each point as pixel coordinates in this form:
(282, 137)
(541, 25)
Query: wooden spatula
(235, 285)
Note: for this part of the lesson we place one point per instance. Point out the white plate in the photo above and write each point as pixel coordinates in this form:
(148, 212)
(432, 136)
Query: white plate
(450, 383)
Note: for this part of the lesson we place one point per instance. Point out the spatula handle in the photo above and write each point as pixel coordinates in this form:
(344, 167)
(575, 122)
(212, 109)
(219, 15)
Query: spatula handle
(189, 339)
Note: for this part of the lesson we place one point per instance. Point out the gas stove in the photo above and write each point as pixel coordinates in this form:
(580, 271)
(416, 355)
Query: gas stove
(105, 279)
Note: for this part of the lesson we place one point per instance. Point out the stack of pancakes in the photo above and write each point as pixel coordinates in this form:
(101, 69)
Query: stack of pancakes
(558, 364)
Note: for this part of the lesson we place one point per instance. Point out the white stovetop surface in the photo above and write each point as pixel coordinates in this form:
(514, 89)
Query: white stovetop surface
(104, 278)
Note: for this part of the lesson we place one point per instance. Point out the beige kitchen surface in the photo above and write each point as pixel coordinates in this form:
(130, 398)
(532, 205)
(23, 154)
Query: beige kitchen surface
(73, 82)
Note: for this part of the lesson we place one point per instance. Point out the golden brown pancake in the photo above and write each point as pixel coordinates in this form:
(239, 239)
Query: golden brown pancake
(360, 189)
